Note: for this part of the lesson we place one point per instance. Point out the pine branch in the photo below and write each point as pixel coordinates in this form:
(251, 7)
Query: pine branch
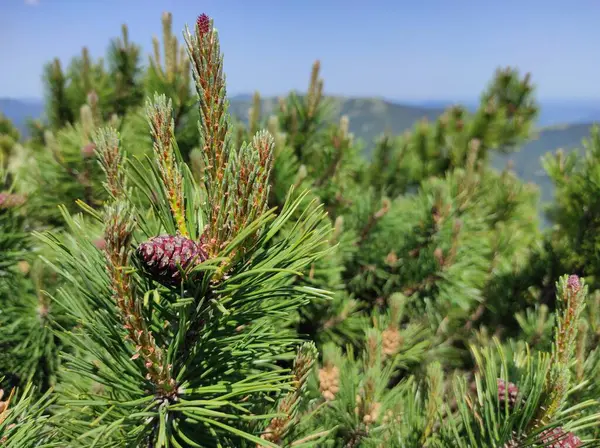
(288, 405)
(373, 218)
(117, 235)
(571, 297)
(254, 114)
(112, 161)
(162, 127)
(236, 180)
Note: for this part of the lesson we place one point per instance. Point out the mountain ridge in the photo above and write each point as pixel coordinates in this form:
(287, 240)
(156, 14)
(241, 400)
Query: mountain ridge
(370, 117)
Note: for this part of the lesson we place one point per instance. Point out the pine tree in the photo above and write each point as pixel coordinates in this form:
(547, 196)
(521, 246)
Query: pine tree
(114, 88)
(171, 77)
(64, 171)
(354, 404)
(124, 69)
(196, 359)
(9, 136)
(575, 212)
(28, 347)
(59, 108)
(187, 266)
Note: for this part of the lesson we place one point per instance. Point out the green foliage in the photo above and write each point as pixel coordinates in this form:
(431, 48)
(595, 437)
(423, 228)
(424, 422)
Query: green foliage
(9, 136)
(172, 78)
(22, 421)
(197, 363)
(123, 66)
(575, 210)
(58, 104)
(28, 347)
(300, 294)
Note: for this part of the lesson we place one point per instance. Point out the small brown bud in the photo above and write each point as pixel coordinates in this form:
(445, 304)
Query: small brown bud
(386, 204)
(475, 144)
(391, 258)
(23, 266)
(373, 413)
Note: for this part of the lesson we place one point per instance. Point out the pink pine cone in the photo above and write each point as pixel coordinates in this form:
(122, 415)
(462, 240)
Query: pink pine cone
(165, 256)
(573, 283)
(558, 438)
(507, 392)
(203, 23)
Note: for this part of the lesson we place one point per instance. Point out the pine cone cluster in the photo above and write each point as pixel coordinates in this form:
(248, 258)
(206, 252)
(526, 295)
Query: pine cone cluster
(372, 414)
(507, 393)
(391, 341)
(329, 381)
(165, 256)
(558, 438)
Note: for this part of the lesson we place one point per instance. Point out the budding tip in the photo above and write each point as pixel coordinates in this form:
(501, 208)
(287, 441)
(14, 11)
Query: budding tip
(203, 23)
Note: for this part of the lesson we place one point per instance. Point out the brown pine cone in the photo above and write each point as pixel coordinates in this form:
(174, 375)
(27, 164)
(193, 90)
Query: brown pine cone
(164, 256)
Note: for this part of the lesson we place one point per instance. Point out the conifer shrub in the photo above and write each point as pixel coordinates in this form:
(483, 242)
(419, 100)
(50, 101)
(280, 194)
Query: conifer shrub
(175, 276)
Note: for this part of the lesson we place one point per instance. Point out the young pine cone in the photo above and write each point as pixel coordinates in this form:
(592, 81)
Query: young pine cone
(507, 392)
(165, 256)
(329, 382)
(558, 438)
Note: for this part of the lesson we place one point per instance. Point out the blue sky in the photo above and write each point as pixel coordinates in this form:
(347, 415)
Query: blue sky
(412, 50)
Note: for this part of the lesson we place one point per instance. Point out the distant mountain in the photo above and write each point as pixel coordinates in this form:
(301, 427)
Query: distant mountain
(526, 162)
(19, 110)
(370, 117)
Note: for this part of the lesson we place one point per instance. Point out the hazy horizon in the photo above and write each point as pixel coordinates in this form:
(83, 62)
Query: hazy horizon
(589, 101)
